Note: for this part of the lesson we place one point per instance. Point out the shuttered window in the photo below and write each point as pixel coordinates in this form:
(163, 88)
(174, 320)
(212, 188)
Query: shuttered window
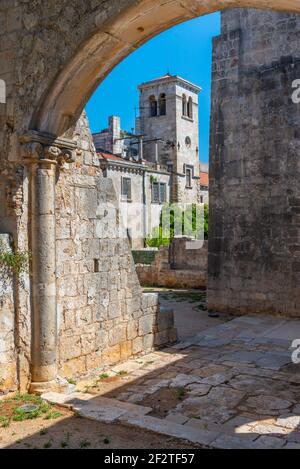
(159, 192)
(126, 189)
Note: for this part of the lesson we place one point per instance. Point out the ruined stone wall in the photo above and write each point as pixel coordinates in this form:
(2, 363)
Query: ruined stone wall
(185, 254)
(103, 316)
(254, 249)
(15, 317)
(52, 56)
(8, 359)
(176, 266)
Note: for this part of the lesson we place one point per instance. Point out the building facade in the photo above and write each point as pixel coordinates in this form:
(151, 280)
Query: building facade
(141, 191)
(159, 163)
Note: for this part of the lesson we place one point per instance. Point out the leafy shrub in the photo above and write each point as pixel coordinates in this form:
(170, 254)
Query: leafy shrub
(179, 221)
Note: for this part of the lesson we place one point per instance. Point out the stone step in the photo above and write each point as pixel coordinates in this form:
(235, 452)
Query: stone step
(108, 410)
(98, 408)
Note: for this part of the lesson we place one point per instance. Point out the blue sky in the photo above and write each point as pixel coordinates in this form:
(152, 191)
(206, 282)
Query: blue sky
(184, 50)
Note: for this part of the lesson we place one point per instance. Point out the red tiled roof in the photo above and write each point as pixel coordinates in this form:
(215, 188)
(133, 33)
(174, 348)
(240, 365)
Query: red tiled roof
(112, 157)
(204, 181)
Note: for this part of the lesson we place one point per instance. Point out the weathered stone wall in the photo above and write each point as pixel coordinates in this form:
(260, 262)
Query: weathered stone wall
(8, 358)
(15, 360)
(52, 56)
(103, 315)
(254, 249)
(184, 254)
(176, 266)
(140, 214)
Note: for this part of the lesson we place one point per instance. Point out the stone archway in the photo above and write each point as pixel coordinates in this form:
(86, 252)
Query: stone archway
(115, 37)
(54, 83)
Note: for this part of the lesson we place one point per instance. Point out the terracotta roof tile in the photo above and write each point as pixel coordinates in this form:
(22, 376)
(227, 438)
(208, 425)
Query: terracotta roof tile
(204, 181)
(110, 156)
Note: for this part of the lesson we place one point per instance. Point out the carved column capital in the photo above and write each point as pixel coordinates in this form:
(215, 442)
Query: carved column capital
(44, 148)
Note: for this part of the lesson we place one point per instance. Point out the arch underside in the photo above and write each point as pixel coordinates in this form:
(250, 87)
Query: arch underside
(109, 43)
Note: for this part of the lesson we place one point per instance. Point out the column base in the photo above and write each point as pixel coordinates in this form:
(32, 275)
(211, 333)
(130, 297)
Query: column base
(41, 388)
(57, 385)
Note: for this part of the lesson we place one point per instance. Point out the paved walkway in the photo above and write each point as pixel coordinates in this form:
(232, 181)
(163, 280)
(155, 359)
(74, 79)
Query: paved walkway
(190, 311)
(230, 386)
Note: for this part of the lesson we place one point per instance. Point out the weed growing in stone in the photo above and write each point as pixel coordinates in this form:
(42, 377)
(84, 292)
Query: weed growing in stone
(14, 262)
(48, 444)
(4, 422)
(52, 415)
(181, 392)
(66, 441)
(72, 381)
(84, 444)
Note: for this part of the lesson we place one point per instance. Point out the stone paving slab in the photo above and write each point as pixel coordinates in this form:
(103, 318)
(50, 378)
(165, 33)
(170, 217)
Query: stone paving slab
(164, 427)
(84, 402)
(235, 383)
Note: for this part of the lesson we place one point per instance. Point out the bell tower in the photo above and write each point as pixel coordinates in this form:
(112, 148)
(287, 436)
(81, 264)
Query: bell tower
(169, 112)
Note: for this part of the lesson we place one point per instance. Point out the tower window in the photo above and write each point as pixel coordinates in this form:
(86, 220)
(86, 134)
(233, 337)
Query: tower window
(184, 105)
(190, 108)
(188, 142)
(169, 167)
(162, 105)
(153, 106)
(189, 170)
(126, 189)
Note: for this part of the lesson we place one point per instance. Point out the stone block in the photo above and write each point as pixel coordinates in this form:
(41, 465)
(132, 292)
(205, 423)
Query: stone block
(84, 316)
(117, 334)
(67, 287)
(152, 299)
(132, 329)
(111, 355)
(94, 360)
(133, 305)
(126, 349)
(69, 319)
(73, 367)
(63, 228)
(173, 335)
(137, 345)
(101, 341)
(8, 376)
(146, 324)
(161, 338)
(87, 343)
(148, 342)
(65, 250)
(70, 347)
(165, 319)
(14, 19)
(113, 310)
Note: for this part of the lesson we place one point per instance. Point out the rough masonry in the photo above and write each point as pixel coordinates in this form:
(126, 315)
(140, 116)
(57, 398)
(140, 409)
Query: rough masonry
(254, 165)
(52, 56)
(182, 264)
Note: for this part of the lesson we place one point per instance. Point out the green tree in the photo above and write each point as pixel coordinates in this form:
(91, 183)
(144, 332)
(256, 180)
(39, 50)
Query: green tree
(173, 220)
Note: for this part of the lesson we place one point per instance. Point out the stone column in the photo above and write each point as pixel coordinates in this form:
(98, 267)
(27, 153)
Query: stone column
(141, 155)
(44, 162)
(156, 152)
